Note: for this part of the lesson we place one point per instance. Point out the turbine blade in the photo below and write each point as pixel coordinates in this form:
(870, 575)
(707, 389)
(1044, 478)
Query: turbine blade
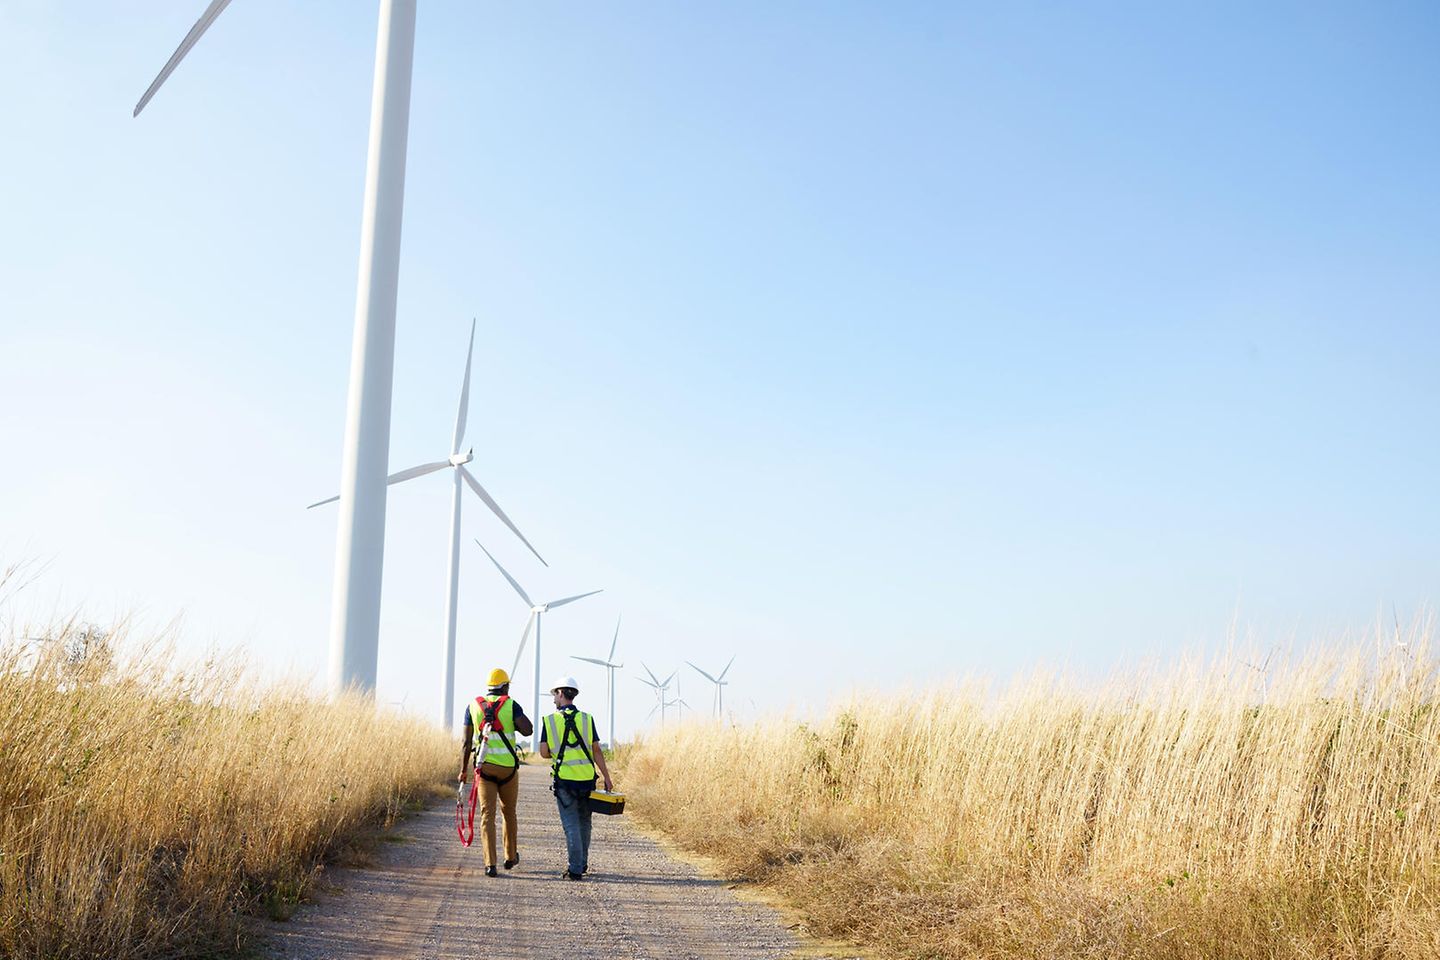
(495, 508)
(579, 596)
(651, 713)
(654, 680)
(414, 472)
(524, 638)
(464, 396)
(611, 654)
(648, 683)
(668, 679)
(506, 574)
(400, 477)
(193, 37)
(727, 668)
(703, 673)
(589, 660)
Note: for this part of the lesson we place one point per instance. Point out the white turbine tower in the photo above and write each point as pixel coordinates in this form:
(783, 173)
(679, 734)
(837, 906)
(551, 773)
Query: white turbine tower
(536, 610)
(659, 686)
(456, 462)
(610, 667)
(718, 699)
(360, 539)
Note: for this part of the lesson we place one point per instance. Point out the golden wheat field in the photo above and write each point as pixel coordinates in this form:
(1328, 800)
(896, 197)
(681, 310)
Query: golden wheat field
(145, 808)
(1216, 812)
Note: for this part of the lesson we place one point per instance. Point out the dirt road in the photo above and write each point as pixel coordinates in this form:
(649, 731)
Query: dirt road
(428, 898)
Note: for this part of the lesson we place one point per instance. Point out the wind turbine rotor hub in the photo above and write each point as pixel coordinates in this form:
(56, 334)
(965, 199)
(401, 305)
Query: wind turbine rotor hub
(460, 459)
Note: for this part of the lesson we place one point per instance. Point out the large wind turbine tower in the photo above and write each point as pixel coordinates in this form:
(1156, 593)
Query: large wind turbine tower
(360, 539)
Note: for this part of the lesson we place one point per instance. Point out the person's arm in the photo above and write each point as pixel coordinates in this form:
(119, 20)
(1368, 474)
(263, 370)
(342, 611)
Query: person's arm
(522, 722)
(544, 746)
(465, 748)
(598, 753)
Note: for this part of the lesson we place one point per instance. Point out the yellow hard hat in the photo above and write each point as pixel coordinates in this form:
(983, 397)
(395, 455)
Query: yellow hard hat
(498, 677)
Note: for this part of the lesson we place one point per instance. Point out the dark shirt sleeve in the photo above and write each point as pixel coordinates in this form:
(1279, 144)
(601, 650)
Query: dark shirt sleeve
(543, 737)
(522, 722)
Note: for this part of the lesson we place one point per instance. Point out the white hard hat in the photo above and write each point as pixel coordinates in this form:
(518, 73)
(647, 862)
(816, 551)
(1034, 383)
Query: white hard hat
(570, 682)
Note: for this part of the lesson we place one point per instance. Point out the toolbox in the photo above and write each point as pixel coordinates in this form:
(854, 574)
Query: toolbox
(606, 803)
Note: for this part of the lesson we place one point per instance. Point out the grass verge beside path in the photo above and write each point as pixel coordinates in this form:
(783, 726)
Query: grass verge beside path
(145, 810)
(1220, 813)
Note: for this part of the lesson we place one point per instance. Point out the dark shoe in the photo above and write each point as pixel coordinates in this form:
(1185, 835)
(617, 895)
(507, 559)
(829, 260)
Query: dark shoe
(490, 871)
(567, 875)
(511, 863)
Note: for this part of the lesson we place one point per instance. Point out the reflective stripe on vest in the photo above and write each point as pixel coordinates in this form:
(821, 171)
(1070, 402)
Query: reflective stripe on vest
(495, 751)
(575, 766)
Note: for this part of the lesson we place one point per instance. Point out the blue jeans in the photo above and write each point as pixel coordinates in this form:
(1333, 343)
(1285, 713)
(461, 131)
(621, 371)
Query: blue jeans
(575, 818)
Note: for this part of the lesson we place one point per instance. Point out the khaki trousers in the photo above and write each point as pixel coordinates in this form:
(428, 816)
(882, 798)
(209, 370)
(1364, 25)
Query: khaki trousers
(507, 796)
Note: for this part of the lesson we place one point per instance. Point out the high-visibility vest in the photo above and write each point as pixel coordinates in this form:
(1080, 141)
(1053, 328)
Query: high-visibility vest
(576, 764)
(493, 750)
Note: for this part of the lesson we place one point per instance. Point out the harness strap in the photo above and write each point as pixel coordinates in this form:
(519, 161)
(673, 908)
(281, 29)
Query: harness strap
(565, 742)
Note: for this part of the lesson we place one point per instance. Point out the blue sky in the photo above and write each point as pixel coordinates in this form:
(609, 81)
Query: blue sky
(879, 343)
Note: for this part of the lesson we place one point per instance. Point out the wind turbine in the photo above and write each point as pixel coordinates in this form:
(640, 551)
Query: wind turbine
(536, 609)
(680, 703)
(456, 462)
(610, 667)
(720, 682)
(360, 538)
(659, 687)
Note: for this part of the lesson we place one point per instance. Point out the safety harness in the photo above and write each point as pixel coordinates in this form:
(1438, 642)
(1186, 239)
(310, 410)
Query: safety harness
(491, 712)
(559, 759)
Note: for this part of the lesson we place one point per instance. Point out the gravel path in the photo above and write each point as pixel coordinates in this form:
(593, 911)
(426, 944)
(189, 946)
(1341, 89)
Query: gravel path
(428, 897)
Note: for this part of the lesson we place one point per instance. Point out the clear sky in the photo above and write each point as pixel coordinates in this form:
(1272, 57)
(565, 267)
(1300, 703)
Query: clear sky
(876, 343)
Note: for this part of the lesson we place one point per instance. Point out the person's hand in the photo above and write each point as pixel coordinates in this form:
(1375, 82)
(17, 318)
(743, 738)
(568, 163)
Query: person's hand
(609, 786)
(461, 778)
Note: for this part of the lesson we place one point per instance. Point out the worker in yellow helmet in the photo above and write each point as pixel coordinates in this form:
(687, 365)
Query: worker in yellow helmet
(491, 722)
(569, 741)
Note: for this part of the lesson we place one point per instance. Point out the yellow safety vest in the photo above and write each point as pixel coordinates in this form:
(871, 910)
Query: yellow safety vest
(573, 763)
(494, 750)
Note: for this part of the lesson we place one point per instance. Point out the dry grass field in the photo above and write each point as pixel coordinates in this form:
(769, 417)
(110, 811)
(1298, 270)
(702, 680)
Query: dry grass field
(145, 809)
(1215, 812)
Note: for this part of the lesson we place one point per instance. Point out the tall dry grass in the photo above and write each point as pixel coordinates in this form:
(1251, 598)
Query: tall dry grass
(1198, 813)
(146, 809)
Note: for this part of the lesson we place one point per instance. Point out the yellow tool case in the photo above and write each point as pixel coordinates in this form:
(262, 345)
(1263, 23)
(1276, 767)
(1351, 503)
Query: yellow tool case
(606, 803)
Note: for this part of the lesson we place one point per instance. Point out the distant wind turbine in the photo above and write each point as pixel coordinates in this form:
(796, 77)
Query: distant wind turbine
(610, 667)
(360, 536)
(680, 703)
(718, 700)
(659, 687)
(456, 461)
(536, 610)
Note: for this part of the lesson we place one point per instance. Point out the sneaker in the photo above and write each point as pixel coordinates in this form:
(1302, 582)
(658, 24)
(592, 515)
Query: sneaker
(490, 871)
(511, 863)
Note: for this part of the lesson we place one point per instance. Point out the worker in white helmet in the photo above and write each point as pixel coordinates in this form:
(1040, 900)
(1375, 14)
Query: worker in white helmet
(568, 739)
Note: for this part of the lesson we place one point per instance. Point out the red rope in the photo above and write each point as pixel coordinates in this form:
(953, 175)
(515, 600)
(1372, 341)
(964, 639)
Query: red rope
(465, 812)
